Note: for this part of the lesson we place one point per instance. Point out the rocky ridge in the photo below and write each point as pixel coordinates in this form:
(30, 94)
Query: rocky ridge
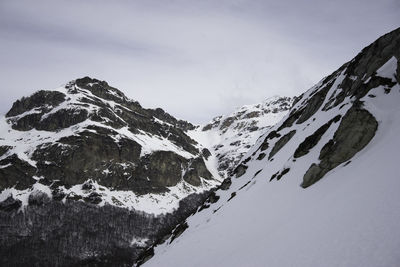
(90, 134)
(327, 131)
(84, 158)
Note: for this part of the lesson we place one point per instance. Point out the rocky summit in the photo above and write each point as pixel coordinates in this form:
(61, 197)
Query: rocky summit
(88, 177)
(85, 157)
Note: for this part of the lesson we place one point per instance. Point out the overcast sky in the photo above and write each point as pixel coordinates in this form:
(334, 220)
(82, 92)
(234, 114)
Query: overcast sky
(195, 59)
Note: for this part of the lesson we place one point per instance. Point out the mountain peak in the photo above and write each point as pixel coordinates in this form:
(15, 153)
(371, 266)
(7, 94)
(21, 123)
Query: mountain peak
(230, 136)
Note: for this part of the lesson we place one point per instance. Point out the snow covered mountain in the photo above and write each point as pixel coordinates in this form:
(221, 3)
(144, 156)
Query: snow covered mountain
(89, 177)
(320, 188)
(229, 137)
(85, 160)
(44, 140)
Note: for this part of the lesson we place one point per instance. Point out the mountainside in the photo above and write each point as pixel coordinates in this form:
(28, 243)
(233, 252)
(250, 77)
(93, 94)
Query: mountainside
(229, 137)
(84, 162)
(320, 188)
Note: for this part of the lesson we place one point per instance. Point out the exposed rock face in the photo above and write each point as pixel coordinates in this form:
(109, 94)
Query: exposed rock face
(312, 140)
(17, 173)
(42, 101)
(105, 128)
(355, 131)
(281, 143)
(230, 137)
(90, 178)
(333, 116)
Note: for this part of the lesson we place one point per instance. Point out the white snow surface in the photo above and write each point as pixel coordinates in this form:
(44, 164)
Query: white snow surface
(348, 218)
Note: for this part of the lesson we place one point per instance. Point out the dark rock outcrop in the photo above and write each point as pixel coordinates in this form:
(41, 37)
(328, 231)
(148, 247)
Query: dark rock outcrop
(10, 204)
(43, 100)
(355, 131)
(99, 152)
(16, 173)
(281, 143)
(312, 140)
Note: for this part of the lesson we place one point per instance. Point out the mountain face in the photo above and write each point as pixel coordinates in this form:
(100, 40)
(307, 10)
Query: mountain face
(319, 188)
(229, 137)
(89, 177)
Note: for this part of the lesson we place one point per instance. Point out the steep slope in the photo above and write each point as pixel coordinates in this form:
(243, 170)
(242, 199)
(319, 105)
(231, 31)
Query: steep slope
(339, 143)
(88, 176)
(229, 137)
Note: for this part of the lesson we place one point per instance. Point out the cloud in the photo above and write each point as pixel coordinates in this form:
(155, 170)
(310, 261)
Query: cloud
(195, 59)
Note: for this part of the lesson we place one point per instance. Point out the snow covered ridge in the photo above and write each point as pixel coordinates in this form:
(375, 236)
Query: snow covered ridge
(56, 141)
(320, 188)
(332, 121)
(229, 137)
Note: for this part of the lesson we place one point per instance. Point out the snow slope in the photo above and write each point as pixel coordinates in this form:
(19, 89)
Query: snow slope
(348, 218)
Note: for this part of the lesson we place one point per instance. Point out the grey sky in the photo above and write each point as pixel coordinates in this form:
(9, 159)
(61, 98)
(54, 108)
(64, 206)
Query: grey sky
(195, 59)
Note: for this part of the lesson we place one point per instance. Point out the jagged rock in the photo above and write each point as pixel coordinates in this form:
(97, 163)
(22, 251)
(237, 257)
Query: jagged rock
(314, 103)
(364, 65)
(197, 169)
(41, 99)
(226, 184)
